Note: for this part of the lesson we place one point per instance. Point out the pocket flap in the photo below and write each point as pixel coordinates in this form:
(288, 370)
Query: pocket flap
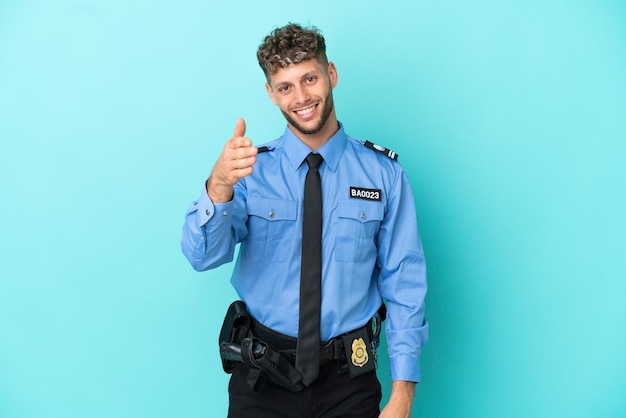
(272, 209)
(362, 211)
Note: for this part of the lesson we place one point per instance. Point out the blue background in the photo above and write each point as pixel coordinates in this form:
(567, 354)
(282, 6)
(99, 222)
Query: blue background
(509, 117)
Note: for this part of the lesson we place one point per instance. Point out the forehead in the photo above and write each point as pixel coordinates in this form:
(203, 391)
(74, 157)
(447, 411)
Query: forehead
(294, 72)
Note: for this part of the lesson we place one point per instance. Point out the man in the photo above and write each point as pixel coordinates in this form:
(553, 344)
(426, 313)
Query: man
(370, 248)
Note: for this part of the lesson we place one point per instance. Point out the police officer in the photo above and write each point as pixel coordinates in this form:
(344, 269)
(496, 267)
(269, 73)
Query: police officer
(371, 250)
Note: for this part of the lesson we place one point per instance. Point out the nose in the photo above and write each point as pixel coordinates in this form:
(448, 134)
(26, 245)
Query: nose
(302, 95)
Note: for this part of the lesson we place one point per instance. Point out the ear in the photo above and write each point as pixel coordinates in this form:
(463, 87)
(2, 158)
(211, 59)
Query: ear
(332, 74)
(270, 92)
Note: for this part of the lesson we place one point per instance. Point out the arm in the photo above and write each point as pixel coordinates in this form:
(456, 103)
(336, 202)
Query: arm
(402, 283)
(400, 401)
(216, 222)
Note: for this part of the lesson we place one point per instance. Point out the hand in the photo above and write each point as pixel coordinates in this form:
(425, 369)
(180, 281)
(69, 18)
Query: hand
(400, 401)
(234, 163)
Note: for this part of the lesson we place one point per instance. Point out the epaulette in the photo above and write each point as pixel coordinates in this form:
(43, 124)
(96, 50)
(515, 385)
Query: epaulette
(389, 153)
(264, 149)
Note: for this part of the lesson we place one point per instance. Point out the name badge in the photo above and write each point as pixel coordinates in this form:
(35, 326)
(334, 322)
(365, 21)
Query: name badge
(367, 194)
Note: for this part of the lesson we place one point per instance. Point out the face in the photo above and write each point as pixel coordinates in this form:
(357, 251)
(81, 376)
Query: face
(303, 92)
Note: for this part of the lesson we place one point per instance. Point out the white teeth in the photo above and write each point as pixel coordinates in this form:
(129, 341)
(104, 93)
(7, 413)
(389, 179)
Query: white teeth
(305, 111)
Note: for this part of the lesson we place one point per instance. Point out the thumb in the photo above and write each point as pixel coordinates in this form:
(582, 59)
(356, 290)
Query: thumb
(240, 128)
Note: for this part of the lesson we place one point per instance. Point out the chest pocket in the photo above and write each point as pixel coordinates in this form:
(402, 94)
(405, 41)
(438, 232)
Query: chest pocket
(271, 224)
(358, 222)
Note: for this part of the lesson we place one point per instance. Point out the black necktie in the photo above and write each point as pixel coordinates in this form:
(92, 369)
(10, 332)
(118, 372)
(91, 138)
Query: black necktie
(308, 348)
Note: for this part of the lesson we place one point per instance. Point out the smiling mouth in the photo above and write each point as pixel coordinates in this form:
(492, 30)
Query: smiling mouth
(306, 111)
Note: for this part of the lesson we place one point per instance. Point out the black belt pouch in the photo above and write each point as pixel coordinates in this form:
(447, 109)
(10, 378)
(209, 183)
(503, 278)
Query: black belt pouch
(236, 327)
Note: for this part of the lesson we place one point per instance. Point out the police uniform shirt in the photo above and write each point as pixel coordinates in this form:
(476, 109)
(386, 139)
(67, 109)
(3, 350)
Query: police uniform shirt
(371, 245)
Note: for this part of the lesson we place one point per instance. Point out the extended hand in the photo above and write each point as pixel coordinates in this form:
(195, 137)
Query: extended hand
(234, 163)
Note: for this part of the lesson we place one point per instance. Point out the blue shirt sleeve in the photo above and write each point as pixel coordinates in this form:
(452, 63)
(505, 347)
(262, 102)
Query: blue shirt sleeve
(211, 231)
(402, 282)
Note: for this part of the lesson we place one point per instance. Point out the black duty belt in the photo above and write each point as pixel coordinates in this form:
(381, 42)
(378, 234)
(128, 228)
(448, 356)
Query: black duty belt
(270, 355)
(332, 350)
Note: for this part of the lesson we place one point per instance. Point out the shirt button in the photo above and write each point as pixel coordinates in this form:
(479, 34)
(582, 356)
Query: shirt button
(207, 212)
(363, 216)
(272, 214)
(225, 213)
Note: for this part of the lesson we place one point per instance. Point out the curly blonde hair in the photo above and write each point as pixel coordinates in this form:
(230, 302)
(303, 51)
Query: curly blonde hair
(291, 44)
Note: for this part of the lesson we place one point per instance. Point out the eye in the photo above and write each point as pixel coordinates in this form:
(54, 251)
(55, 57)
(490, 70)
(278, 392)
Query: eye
(283, 89)
(311, 79)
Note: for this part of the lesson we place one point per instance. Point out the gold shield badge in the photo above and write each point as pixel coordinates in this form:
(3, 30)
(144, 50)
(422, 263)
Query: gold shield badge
(359, 352)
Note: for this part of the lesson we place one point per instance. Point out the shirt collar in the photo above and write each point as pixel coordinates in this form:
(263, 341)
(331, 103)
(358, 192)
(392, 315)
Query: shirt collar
(331, 151)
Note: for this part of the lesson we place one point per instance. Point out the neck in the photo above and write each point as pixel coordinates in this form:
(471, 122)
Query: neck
(317, 140)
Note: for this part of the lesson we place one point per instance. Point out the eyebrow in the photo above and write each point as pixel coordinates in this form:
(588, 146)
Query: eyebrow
(309, 74)
(305, 75)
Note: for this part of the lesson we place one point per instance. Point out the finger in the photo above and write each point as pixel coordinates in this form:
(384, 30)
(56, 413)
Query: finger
(242, 172)
(238, 159)
(239, 142)
(240, 128)
(242, 163)
(240, 147)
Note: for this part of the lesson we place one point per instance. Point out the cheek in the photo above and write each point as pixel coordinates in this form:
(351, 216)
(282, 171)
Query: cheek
(282, 104)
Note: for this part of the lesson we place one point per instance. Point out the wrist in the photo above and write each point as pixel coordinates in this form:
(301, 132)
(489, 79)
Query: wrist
(218, 193)
(402, 391)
